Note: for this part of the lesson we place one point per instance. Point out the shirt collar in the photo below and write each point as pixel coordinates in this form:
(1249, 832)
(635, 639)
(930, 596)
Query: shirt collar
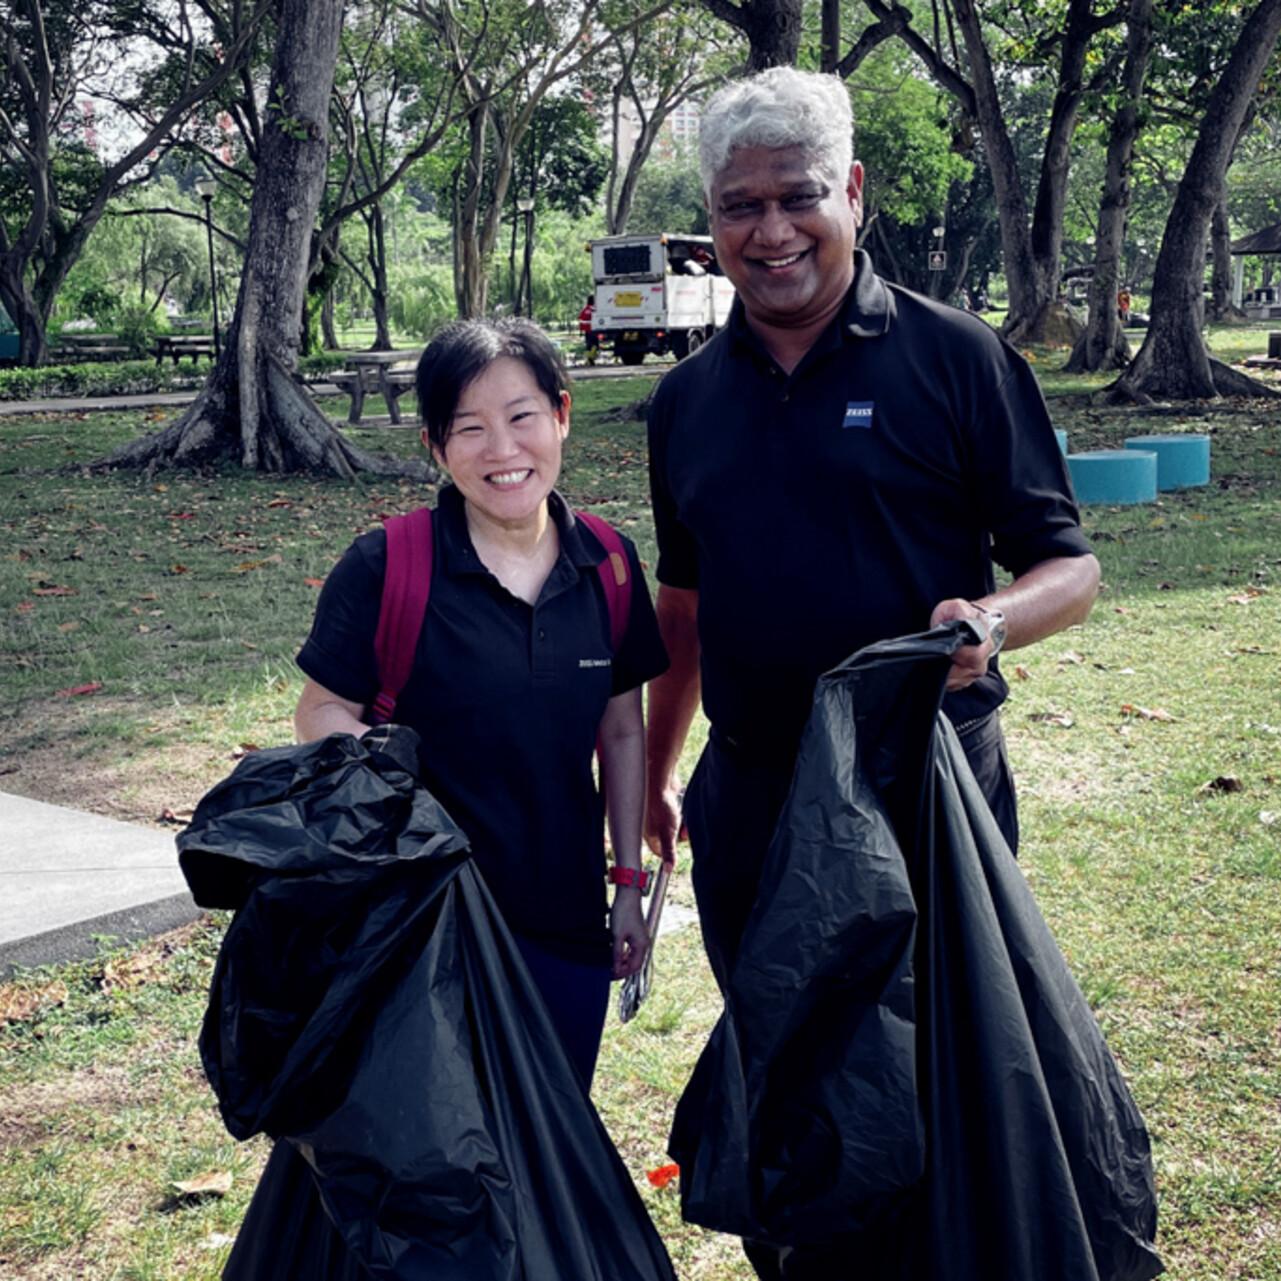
(458, 556)
(867, 312)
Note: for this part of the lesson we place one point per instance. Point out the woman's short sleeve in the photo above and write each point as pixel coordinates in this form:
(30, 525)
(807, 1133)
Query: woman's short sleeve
(339, 653)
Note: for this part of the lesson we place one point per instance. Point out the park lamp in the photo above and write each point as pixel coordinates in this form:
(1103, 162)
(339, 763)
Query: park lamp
(524, 204)
(207, 186)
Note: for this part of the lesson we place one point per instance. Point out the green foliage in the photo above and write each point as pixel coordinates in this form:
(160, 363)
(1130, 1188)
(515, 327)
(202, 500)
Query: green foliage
(669, 197)
(100, 378)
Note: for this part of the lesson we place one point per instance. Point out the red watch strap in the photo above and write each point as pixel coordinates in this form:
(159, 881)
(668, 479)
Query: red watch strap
(627, 876)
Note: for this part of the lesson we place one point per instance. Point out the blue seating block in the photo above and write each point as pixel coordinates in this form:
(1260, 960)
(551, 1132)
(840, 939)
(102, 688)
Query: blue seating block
(1182, 461)
(1113, 475)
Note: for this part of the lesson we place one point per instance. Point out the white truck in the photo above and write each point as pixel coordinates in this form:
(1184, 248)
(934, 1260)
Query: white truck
(655, 293)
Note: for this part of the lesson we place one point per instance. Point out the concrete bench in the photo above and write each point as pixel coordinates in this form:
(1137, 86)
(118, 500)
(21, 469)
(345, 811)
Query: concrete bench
(358, 383)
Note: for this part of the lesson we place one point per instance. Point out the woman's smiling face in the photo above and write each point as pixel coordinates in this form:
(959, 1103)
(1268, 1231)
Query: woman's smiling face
(503, 450)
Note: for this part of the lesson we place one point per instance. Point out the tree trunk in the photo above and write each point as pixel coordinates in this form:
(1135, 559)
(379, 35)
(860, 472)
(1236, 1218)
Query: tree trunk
(328, 333)
(23, 310)
(470, 283)
(1103, 345)
(830, 22)
(1221, 259)
(1173, 362)
(1027, 298)
(378, 268)
(772, 28)
(252, 407)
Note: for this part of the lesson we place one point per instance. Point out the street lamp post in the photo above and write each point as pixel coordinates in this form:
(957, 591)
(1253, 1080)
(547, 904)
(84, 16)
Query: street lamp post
(525, 207)
(206, 187)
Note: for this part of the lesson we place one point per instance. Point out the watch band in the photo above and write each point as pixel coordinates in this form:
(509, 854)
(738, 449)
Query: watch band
(996, 629)
(628, 877)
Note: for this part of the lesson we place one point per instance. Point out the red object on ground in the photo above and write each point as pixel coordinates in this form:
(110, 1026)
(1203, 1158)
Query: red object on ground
(72, 690)
(661, 1177)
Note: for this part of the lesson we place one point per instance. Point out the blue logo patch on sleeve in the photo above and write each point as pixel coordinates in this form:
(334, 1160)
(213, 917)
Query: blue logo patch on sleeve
(858, 413)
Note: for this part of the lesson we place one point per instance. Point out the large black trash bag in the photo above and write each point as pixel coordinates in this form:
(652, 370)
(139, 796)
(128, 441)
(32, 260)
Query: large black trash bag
(370, 1010)
(907, 1084)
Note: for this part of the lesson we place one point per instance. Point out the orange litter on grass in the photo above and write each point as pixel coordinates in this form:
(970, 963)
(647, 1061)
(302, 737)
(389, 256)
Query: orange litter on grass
(661, 1177)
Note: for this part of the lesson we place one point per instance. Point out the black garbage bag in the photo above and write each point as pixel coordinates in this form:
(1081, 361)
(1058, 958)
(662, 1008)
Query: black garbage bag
(370, 1011)
(906, 1083)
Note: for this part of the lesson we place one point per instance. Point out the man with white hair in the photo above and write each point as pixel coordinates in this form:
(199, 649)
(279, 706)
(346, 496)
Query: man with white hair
(841, 464)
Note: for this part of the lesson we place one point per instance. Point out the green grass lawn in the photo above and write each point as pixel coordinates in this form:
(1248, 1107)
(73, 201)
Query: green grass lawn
(1147, 746)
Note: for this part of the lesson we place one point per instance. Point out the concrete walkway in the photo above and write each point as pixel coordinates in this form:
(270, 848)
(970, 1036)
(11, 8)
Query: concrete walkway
(67, 878)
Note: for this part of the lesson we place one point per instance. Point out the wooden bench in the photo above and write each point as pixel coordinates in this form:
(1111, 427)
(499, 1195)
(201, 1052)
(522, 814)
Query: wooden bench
(179, 345)
(76, 353)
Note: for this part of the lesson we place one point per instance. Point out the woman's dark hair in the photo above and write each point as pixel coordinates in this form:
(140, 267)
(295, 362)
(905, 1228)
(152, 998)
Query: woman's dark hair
(461, 352)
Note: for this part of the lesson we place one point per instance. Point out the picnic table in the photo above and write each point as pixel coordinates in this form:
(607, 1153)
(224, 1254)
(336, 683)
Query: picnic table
(388, 372)
(179, 345)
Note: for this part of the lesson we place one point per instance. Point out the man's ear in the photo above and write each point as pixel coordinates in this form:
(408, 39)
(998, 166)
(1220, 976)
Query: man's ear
(854, 190)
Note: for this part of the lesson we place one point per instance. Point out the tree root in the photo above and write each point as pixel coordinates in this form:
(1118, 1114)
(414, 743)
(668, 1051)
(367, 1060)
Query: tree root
(291, 435)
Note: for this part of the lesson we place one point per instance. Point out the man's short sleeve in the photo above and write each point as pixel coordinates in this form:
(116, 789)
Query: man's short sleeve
(1023, 480)
(642, 654)
(677, 551)
(339, 653)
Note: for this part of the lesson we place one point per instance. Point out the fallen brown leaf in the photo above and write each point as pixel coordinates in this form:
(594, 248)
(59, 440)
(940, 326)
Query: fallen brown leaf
(1022, 672)
(1145, 713)
(212, 1183)
(1063, 720)
(18, 1004)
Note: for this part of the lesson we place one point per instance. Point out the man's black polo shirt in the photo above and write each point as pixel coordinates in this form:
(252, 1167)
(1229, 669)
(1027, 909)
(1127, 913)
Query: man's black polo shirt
(507, 698)
(818, 512)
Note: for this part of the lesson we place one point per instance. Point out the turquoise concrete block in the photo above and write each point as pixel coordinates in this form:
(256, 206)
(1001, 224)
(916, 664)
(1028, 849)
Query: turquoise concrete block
(1061, 436)
(1182, 461)
(1113, 475)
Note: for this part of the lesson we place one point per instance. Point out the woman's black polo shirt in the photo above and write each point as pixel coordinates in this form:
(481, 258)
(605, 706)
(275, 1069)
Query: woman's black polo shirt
(819, 511)
(507, 698)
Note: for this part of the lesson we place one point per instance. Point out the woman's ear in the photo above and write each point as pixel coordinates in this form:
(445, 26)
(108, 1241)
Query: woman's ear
(438, 455)
(562, 414)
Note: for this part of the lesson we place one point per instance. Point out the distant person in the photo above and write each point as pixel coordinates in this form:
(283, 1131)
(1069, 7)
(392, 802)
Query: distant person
(590, 341)
(842, 463)
(1123, 305)
(516, 681)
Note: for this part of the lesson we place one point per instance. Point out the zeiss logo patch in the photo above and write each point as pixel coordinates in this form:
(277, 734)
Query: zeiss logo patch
(858, 413)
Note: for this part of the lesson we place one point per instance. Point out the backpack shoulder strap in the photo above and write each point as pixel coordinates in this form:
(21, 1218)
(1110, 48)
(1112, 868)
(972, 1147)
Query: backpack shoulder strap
(406, 588)
(615, 576)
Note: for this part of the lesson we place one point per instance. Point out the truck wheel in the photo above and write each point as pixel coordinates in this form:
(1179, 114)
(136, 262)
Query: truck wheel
(631, 357)
(694, 341)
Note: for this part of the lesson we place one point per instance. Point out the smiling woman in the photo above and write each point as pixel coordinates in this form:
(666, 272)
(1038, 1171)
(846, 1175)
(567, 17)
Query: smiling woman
(516, 674)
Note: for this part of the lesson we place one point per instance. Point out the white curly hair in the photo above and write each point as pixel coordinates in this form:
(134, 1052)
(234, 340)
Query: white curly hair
(779, 107)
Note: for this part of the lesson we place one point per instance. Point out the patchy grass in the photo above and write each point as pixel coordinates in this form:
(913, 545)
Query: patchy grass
(1151, 811)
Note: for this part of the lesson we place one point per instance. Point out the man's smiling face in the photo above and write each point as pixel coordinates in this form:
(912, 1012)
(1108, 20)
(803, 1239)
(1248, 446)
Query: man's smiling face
(784, 232)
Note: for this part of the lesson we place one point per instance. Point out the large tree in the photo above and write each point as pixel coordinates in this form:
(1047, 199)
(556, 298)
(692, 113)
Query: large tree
(772, 28)
(252, 408)
(507, 57)
(55, 54)
(1102, 345)
(646, 74)
(1173, 362)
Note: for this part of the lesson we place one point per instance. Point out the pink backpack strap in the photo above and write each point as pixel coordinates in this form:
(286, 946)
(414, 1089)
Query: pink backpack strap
(615, 576)
(406, 588)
